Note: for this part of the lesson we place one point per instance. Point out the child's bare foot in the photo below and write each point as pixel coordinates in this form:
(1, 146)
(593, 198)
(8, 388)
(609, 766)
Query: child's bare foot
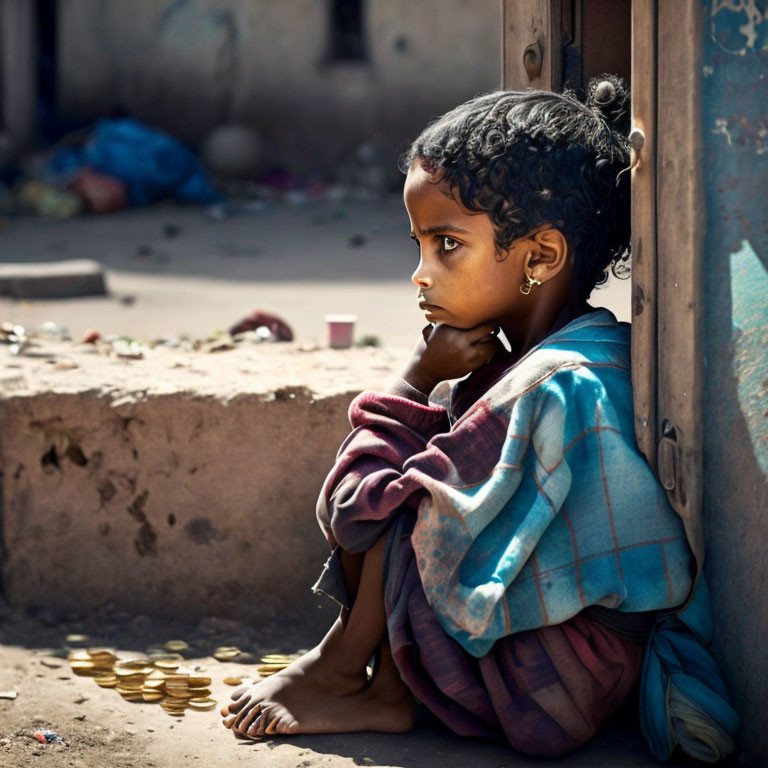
(316, 695)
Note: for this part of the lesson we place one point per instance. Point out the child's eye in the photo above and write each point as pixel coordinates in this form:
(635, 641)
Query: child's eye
(449, 244)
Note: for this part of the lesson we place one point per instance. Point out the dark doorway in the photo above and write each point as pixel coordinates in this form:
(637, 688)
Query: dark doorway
(347, 31)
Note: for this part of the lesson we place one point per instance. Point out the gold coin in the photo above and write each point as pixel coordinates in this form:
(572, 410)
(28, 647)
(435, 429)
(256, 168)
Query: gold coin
(120, 688)
(154, 683)
(173, 702)
(137, 665)
(81, 664)
(166, 664)
(202, 704)
(151, 696)
(77, 638)
(176, 645)
(233, 680)
(278, 657)
(198, 680)
(106, 682)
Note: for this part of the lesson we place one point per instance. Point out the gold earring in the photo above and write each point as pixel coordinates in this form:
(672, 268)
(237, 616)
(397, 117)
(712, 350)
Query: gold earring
(525, 288)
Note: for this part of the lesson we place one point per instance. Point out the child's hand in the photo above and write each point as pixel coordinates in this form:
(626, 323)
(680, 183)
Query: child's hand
(446, 352)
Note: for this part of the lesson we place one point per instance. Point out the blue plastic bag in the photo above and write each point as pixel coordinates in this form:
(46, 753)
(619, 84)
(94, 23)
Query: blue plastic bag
(152, 164)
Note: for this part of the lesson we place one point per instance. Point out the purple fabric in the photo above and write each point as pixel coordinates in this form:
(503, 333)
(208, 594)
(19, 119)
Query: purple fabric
(546, 691)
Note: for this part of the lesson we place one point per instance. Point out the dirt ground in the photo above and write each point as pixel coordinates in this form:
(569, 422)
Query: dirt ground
(101, 730)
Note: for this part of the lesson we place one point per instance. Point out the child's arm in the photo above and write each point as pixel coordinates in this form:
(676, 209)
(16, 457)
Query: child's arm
(366, 485)
(362, 490)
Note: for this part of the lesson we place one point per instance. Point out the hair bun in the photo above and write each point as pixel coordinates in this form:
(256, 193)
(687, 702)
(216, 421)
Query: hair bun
(608, 95)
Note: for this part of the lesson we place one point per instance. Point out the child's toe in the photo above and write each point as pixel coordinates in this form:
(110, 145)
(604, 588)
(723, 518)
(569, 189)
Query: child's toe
(235, 706)
(248, 717)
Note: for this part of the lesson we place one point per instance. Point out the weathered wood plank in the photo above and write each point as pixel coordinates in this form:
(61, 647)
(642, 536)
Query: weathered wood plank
(531, 44)
(679, 237)
(644, 225)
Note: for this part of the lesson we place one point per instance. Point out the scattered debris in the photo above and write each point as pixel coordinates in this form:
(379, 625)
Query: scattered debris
(100, 192)
(16, 336)
(368, 340)
(171, 230)
(128, 348)
(65, 365)
(49, 328)
(91, 336)
(48, 737)
(258, 319)
(357, 241)
(9, 695)
(47, 200)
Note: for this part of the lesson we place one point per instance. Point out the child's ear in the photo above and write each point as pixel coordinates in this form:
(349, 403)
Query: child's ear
(549, 254)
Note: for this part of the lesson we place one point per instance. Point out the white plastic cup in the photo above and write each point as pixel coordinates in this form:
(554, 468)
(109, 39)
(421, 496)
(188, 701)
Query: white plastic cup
(341, 330)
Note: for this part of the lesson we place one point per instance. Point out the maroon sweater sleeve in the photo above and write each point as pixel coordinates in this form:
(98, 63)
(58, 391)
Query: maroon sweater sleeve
(367, 485)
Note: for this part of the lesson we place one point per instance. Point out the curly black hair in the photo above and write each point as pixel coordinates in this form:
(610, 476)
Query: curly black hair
(533, 157)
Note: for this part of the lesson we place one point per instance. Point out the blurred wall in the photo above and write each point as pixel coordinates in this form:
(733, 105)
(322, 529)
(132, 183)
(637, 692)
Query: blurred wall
(189, 65)
(17, 77)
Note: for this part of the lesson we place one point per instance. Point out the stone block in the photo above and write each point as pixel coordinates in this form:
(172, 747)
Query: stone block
(181, 485)
(52, 280)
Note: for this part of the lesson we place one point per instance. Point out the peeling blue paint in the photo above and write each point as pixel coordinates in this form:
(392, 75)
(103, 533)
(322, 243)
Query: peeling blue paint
(749, 288)
(740, 26)
(749, 313)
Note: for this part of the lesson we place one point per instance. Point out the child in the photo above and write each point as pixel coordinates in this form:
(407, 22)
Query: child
(502, 558)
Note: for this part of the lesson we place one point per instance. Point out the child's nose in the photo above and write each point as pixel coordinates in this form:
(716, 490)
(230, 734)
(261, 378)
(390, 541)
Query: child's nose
(420, 278)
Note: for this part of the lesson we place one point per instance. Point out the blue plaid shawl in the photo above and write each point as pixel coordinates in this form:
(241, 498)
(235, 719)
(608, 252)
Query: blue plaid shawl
(532, 505)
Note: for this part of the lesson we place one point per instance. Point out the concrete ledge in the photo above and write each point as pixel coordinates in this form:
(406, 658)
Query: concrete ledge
(52, 280)
(180, 485)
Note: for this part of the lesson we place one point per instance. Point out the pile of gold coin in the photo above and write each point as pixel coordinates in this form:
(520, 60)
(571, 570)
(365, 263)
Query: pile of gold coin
(274, 662)
(154, 680)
